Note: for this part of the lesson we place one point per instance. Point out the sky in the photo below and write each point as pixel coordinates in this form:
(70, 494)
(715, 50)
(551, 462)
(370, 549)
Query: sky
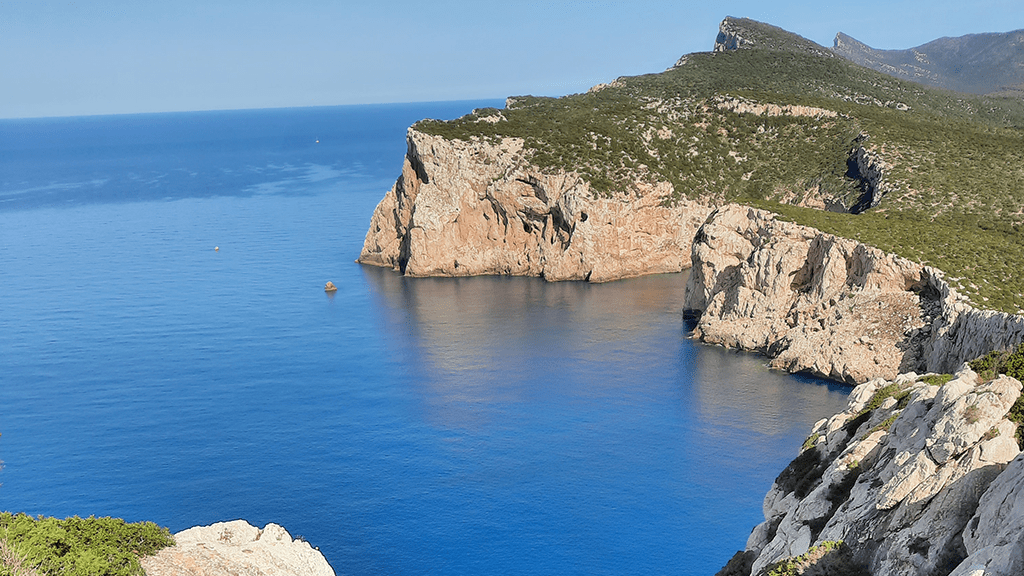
(71, 58)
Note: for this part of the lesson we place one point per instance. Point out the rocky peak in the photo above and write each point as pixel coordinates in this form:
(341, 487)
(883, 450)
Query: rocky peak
(730, 35)
(844, 44)
(737, 33)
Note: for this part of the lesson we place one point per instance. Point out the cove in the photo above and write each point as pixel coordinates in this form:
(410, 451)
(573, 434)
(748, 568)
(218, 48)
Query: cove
(402, 425)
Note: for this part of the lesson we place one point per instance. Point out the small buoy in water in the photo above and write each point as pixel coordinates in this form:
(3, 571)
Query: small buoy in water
(216, 248)
(330, 287)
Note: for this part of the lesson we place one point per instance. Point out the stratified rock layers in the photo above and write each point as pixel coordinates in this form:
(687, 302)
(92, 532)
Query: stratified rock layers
(817, 303)
(464, 208)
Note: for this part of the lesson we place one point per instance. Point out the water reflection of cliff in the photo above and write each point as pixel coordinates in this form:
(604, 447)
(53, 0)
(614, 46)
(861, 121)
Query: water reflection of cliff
(488, 340)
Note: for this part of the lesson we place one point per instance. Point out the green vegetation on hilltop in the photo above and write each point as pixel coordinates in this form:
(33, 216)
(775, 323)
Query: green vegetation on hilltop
(76, 546)
(953, 163)
(1010, 363)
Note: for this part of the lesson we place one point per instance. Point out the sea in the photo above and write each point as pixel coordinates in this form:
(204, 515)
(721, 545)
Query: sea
(168, 353)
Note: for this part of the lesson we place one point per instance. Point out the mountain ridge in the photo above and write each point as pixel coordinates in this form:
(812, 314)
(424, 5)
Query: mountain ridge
(986, 63)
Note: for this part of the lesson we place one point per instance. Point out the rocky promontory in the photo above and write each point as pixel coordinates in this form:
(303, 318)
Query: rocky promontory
(830, 306)
(466, 208)
(237, 549)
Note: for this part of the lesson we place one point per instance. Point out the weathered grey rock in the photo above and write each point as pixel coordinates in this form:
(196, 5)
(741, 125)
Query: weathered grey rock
(813, 302)
(994, 538)
(464, 208)
(901, 484)
(237, 549)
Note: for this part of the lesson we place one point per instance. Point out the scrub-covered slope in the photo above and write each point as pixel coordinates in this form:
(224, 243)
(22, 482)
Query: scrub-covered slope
(780, 123)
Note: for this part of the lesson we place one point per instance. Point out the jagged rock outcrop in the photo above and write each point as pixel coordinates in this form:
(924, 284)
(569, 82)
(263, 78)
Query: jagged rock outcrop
(464, 208)
(910, 477)
(994, 538)
(740, 33)
(817, 303)
(730, 36)
(811, 301)
(237, 548)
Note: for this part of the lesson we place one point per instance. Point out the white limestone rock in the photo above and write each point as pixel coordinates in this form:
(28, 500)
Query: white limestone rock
(813, 302)
(877, 484)
(994, 537)
(237, 548)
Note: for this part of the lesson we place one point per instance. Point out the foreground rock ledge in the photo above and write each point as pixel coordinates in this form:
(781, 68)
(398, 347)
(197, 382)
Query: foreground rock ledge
(915, 479)
(466, 208)
(237, 548)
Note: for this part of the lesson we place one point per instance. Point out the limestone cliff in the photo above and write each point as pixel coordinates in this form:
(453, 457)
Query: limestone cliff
(233, 548)
(817, 303)
(463, 208)
(914, 478)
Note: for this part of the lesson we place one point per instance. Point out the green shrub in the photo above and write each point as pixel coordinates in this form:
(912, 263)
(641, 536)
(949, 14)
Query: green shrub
(935, 379)
(999, 362)
(885, 392)
(829, 557)
(884, 424)
(810, 442)
(82, 546)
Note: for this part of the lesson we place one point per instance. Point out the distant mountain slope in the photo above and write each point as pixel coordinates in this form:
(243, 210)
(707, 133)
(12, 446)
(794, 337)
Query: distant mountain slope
(976, 63)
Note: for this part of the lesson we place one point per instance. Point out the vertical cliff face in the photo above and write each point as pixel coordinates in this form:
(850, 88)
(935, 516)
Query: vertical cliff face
(813, 302)
(914, 478)
(810, 301)
(463, 208)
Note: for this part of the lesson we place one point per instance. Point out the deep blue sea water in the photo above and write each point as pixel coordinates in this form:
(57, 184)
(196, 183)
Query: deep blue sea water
(404, 426)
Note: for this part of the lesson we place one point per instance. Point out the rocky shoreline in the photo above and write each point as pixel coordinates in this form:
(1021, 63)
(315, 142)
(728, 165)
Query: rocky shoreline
(913, 478)
(817, 303)
(809, 301)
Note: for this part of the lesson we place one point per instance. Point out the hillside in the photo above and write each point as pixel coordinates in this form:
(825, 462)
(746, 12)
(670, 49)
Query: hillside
(976, 63)
(781, 123)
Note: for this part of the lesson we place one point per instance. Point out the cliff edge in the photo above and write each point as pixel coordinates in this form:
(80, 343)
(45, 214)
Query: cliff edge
(473, 207)
(817, 303)
(235, 548)
(918, 476)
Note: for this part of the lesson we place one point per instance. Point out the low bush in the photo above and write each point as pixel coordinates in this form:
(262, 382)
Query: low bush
(999, 362)
(79, 546)
(935, 379)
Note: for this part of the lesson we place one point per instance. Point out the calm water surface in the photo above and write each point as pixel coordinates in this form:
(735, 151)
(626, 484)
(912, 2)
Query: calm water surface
(404, 426)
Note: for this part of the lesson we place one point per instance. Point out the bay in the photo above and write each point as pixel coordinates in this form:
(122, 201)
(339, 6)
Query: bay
(405, 426)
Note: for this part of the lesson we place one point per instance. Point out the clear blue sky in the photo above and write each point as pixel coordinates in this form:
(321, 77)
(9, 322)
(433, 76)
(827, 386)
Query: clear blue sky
(111, 56)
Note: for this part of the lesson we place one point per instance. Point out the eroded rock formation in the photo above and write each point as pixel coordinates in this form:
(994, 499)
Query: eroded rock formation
(910, 477)
(464, 208)
(817, 303)
(237, 548)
